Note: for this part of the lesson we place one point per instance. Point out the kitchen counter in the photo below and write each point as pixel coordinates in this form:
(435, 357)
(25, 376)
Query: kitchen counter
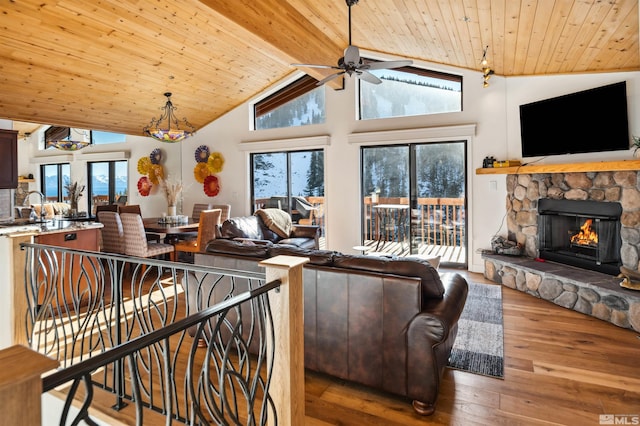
(63, 233)
(49, 227)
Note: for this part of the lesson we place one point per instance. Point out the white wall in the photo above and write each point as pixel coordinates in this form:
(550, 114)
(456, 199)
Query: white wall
(30, 158)
(494, 112)
(484, 107)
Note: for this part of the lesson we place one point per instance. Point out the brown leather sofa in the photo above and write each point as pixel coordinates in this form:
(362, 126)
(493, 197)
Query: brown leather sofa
(252, 229)
(385, 323)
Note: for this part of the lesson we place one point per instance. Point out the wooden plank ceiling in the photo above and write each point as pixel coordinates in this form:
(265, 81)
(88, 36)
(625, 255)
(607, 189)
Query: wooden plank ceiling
(105, 64)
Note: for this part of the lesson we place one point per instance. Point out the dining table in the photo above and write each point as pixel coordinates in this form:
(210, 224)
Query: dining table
(392, 221)
(172, 228)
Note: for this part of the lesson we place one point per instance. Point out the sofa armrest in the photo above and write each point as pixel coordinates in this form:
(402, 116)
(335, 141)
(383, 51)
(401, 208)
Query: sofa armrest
(430, 338)
(304, 231)
(450, 306)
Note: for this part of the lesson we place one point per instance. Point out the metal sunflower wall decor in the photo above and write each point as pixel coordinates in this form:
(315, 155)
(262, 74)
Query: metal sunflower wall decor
(208, 165)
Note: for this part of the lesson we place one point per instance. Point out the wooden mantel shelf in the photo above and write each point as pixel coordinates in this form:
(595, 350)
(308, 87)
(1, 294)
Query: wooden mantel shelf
(596, 166)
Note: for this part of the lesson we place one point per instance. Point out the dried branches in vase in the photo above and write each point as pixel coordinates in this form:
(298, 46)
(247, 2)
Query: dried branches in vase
(74, 191)
(171, 192)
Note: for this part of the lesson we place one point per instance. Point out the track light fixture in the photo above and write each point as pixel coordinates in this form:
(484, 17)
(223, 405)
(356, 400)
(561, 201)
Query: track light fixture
(487, 72)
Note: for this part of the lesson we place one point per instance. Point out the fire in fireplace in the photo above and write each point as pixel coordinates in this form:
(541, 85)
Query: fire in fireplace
(585, 234)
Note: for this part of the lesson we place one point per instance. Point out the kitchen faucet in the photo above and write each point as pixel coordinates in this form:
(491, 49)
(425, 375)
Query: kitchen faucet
(42, 197)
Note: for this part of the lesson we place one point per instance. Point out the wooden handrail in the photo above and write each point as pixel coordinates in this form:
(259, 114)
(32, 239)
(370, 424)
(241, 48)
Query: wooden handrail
(287, 387)
(21, 385)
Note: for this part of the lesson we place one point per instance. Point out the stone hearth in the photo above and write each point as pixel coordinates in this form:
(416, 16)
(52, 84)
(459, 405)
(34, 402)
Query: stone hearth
(589, 292)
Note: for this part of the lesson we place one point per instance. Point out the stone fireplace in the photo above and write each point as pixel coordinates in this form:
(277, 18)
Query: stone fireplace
(560, 205)
(524, 193)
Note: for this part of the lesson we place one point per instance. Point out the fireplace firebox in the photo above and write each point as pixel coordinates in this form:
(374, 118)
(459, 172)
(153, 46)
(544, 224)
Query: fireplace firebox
(580, 233)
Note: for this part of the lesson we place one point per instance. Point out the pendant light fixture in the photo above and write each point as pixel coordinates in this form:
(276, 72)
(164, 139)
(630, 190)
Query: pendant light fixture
(66, 138)
(170, 131)
(487, 72)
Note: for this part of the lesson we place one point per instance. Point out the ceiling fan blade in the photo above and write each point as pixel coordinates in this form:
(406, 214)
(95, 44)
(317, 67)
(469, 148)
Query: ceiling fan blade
(315, 66)
(351, 55)
(384, 65)
(329, 78)
(368, 77)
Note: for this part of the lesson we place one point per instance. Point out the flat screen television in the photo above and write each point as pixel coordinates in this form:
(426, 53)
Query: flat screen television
(593, 120)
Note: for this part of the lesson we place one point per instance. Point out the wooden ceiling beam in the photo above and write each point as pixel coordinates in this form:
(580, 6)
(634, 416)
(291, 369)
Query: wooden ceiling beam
(269, 20)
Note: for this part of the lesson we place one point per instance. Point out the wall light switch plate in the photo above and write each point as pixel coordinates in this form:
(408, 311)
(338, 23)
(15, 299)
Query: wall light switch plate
(493, 185)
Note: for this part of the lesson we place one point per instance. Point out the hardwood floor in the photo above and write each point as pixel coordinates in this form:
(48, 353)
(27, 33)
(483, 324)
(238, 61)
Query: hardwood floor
(561, 367)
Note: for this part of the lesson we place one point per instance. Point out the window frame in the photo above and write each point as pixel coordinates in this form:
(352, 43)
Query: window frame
(60, 196)
(289, 195)
(297, 88)
(93, 141)
(422, 72)
(111, 191)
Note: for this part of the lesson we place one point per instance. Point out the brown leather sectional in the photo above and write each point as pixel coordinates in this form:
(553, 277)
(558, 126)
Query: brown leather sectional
(385, 323)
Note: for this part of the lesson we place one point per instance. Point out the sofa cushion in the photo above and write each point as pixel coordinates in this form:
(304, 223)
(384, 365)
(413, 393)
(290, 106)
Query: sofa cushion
(430, 279)
(305, 243)
(242, 227)
(316, 257)
(239, 247)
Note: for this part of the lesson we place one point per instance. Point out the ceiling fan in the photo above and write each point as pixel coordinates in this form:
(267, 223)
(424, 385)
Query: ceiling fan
(351, 63)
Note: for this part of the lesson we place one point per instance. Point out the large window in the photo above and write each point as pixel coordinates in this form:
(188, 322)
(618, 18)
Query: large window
(298, 104)
(413, 200)
(292, 181)
(410, 91)
(54, 177)
(99, 137)
(108, 183)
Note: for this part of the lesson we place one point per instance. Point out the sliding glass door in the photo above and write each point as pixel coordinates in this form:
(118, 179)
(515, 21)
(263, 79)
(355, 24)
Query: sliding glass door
(292, 181)
(413, 200)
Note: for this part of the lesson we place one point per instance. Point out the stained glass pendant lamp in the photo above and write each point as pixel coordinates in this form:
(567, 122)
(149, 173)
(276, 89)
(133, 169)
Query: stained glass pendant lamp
(170, 131)
(61, 138)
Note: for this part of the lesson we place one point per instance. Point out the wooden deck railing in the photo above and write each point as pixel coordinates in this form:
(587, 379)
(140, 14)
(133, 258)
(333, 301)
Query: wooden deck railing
(436, 221)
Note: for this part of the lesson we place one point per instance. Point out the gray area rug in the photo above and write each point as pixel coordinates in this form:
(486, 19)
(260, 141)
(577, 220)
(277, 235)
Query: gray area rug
(479, 345)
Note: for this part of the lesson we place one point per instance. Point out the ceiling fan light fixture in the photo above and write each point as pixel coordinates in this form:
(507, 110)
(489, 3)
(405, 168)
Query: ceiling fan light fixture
(171, 131)
(353, 64)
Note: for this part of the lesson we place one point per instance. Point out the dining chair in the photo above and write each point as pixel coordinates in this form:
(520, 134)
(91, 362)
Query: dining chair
(112, 232)
(130, 208)
(106, 208)
(197, 209)
(195, 216)
(226, 211)
(135, 241)
(209, 221)
(135, 208)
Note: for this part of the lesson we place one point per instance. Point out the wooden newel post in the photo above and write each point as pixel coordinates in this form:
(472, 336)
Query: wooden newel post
(21, 385)
(287, 385)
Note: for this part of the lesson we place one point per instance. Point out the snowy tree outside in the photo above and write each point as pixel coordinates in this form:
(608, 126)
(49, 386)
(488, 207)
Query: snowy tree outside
(270, 174)
(440, 170)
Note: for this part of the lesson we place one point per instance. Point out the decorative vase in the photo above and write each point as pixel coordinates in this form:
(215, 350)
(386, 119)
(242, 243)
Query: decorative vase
(73, 207)
(171, 211)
